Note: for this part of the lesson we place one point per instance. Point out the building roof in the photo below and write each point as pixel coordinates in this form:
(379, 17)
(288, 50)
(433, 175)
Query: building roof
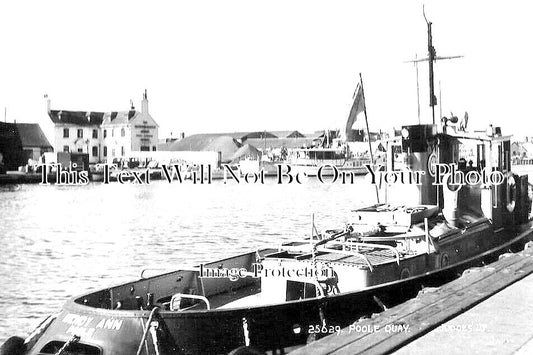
(119, 117)
(80, 118)
(196, 142)
(31, 135)
(316, 135)
(243, 136)
(280, 142)
(91, 118)
(287, 134)
(246, 150)
(227, 145)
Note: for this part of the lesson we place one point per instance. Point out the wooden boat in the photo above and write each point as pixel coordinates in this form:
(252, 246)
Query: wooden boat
(274, 299)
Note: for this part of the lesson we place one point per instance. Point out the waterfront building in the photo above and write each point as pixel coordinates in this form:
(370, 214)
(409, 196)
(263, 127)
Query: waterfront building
(105, 136)
(20, 142)
(522, 152)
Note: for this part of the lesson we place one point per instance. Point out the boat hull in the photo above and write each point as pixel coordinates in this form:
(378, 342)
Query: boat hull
(268, 327)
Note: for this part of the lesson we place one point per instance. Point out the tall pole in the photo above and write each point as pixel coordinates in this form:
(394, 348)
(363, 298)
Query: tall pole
(368, 131)
(417, 88)
(440, 101)
(431, 59)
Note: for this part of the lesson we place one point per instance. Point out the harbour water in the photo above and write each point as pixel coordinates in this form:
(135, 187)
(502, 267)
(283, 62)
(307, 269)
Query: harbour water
(60, 241)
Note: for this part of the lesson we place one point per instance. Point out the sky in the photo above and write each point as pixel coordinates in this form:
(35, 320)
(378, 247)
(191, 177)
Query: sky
(223, 66)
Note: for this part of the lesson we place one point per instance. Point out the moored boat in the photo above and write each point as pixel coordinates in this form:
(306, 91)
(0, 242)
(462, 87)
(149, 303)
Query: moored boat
(441, 215)
(277, 298)
(327, 162)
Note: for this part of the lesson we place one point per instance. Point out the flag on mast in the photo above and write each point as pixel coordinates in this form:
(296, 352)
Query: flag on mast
(358, 106)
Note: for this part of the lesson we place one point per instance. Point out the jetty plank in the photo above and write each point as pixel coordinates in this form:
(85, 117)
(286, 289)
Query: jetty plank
(498, 325)
(415, 305)
(427, 311)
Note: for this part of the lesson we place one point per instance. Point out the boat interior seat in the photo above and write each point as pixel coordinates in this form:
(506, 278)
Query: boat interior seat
(467, 221)
(222, 299)
(443, 229)
(248, 301)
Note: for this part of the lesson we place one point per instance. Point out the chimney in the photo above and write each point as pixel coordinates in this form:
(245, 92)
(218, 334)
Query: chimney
(48, 108)
(145, 103)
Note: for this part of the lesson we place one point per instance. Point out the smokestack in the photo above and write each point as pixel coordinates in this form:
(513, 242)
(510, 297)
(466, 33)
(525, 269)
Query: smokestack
(48, 104)
(145, 103)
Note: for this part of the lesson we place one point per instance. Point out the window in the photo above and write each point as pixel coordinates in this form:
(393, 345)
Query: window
(105, 133)
(95, 133)
(154, 148)
(122, 151)
(55, 347)
(122, 132)
(65, 132)
(112, 132)
(80, 133)
(65, 148)
(95, 151)
(105, 151)
(113, 152)
(80, 150)
(145, 148)
(299, 290)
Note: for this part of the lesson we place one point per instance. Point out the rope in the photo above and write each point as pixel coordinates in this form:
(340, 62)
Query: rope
(146, 329)
(71, 341)
(245, 331)
(153, 333)
(321, 242)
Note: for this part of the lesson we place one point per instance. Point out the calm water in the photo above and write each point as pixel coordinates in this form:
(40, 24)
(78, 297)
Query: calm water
(62, 241)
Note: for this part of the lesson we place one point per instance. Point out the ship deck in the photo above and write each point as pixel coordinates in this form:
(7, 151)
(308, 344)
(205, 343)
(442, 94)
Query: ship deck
(344, 253)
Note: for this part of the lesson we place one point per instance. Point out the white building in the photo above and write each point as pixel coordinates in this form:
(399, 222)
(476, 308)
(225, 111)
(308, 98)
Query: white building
(104, 135)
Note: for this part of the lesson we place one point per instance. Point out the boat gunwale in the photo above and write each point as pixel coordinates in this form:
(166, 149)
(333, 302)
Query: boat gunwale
(71, 305)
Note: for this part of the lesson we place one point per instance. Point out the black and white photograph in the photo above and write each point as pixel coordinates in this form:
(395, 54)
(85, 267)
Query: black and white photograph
(266, 177)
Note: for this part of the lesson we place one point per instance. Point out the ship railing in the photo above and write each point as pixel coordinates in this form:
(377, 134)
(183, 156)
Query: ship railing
(347, 252)
(400, 237)
(176, 300)
(166, 270)
(348, 245)
(353, 248)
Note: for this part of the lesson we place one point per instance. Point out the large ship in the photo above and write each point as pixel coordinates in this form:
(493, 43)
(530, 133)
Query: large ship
(328, 161)
(452, 201)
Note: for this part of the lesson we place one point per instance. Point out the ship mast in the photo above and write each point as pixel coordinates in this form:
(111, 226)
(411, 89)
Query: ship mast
(431, 59)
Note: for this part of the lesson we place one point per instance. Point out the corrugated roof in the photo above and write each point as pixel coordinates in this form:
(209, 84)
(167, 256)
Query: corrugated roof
(31, 135)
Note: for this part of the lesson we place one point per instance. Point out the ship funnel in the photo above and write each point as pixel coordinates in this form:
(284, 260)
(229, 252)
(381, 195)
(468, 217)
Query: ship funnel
(450, 194)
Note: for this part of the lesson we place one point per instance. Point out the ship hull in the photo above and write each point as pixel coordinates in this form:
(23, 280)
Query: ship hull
(268, 327)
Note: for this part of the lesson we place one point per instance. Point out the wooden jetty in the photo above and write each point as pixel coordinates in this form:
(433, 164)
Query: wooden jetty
(469, 314)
